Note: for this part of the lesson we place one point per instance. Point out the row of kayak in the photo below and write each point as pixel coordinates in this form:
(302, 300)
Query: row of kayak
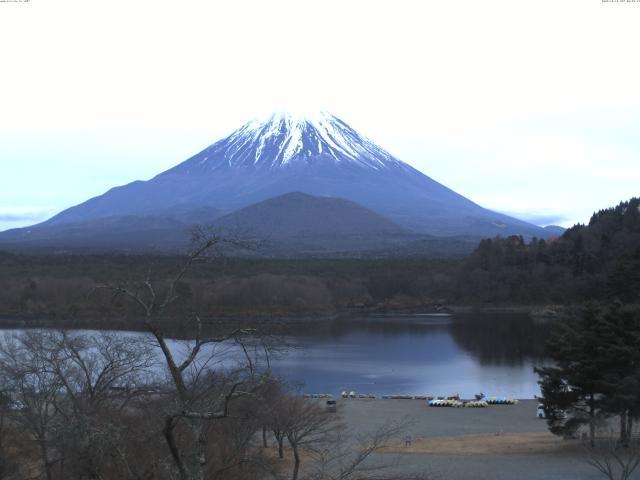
(433, 402)
(500, 400)
(458, 403)
(482, 403)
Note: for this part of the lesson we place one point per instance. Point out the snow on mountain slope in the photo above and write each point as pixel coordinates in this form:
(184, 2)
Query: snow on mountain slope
(283, 140)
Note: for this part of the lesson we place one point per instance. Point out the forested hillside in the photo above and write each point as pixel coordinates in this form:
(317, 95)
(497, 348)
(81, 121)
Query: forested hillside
(593, 261)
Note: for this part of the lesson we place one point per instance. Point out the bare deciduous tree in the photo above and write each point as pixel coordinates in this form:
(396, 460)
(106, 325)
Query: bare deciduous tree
(69, 391)
(306, 424)
(614, 460)
(199, 395)
(347, 456)
(98, 368)
(8, 460)
(34, 390)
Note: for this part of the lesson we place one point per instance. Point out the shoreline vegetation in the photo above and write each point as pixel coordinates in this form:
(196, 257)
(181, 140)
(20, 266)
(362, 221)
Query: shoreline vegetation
(283, 322)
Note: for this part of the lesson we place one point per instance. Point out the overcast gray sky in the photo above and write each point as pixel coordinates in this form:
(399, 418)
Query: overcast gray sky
(527, 107)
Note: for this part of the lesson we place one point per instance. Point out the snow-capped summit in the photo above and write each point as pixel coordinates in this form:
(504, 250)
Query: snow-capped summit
(285, 139)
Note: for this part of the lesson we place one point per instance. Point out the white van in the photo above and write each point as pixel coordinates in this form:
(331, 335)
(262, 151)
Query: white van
(540, 411)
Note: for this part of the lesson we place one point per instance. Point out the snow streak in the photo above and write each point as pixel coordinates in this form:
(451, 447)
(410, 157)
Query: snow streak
(284, 140)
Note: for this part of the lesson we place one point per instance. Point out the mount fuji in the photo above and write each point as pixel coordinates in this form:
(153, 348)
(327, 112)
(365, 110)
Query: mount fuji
(319, 155)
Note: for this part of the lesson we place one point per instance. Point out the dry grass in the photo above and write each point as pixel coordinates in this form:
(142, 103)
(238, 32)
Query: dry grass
(488, 444)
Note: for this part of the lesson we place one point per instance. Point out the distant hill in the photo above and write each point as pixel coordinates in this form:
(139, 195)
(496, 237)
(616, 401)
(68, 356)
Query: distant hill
(297, 224)
(554, 230)
(300, 215)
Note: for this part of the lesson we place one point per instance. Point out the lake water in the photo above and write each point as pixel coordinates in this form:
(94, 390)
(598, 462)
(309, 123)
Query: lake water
(421, 354)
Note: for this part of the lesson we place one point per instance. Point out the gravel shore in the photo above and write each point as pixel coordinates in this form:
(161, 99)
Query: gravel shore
(430, 423)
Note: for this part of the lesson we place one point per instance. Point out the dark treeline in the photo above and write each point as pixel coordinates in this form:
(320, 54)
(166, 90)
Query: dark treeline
(63, 287)
(588, 262)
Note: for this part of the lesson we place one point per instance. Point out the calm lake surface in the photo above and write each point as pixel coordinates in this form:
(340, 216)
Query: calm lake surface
(417, 354)
(431, 355)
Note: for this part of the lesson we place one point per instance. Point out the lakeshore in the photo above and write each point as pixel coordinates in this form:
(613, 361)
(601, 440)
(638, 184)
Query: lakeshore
(501, 442)
(281, 322)
(399, 354)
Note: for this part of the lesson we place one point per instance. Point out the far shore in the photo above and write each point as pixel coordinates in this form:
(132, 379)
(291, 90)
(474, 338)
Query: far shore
(283, 321)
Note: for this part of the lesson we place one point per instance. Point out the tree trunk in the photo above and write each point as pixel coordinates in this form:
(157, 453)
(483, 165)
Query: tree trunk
(45, 458)
(173, 448)
(592, 421)
(264, 437)
(624, 437)
(200, 454)
(296, 459)
(280, 447)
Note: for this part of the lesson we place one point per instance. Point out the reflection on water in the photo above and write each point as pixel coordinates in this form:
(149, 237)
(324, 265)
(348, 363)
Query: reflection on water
(419, 355)
(501, 340)
(432, 355)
